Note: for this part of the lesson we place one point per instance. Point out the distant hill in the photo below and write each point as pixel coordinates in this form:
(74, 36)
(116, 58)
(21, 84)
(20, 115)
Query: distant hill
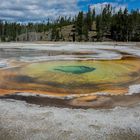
(65, 33)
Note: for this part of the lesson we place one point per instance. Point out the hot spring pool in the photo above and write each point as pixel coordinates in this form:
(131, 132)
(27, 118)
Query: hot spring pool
(79, 74)
(75, 77)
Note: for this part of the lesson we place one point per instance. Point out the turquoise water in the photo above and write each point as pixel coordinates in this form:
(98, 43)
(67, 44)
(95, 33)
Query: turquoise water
(74, 69)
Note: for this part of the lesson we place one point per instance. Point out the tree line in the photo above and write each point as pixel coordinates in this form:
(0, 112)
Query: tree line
(122, 25)
(9, 31)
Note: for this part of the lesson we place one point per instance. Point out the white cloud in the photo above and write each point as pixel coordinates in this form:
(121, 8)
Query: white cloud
(37, 10)
(99, 6)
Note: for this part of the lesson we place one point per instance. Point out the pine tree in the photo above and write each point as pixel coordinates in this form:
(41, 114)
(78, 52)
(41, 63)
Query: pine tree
(99, 28)
(89, 20)
(93, 15)
(79, 24)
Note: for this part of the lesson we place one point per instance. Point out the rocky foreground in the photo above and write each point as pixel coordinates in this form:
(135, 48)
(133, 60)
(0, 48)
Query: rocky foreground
(22, 121)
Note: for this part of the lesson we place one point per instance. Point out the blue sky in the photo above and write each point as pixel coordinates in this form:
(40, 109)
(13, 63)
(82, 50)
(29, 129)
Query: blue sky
(131, 4)
(38, 10)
